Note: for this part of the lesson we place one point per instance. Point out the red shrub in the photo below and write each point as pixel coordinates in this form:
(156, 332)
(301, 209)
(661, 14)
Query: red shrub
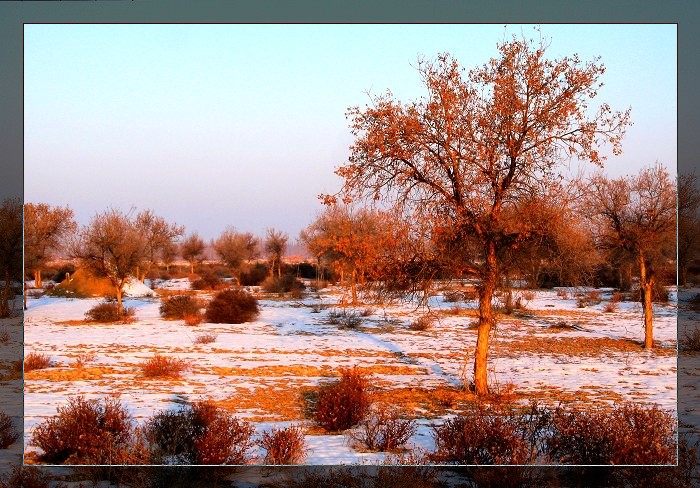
(284, 446)
(341, 404)
(232, 307)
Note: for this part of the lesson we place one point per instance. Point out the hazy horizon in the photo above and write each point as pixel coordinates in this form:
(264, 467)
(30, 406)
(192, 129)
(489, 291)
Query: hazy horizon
(235, 125)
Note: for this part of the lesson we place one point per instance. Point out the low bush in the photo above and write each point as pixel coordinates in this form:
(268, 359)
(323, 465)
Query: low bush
(460, 295)
(691, 340)
(342, 403)
(208, 280)
(35, 360)
(158, 366)
(423, 322)
(616, 297)
(232, 307)
(481, 437)
(284, 446)
(563, 294)
(627, 434)
(200, 433)
(610, 307)
(367, 311)
(344, 319)
(528, 295)
(177, 306)
(28, 477)
(4, 337)
(8, 433)
(82, 359)
(206, 338)
(283, 284)
(193, 319)
(383, 430)
(86, 432)
(587, 298)
(254, 275)
(108, 312)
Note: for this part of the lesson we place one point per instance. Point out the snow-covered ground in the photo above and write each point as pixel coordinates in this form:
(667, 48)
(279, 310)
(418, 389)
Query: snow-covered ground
(552, 351)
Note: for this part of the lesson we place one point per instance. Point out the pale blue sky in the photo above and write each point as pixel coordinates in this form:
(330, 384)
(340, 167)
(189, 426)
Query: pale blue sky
(243, 125)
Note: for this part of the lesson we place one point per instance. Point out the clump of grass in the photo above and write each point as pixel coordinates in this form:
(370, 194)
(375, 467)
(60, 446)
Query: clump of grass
(205, 338)
(617, 297)
(158, 366)
(563, 294)
(367, 311)
(108, 312)
(385, 430)
(343, 319)
(35, 360)
(284, 446)
(528, 295)
(82, 359)
(424, 322)
(610, 307)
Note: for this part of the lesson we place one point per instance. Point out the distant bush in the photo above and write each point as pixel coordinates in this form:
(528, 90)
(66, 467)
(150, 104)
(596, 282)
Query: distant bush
(158, 366)
(384, 430)
(563, 294)
(587, 298)
(452, 296)
(610, 307)
(35, 360)
(232, 307)
(283, 284)
(284, 446)
(201, 433)
(528, 295)
(206, 338)
(108, 312)
(177, 306)
(8, 433)
(343, 318)
(342, 403)
(254, 275)
(627, 434)
(317, 285)
(208, 280)
(86, 432)
(62, 292)
(82, 359)
(616, 297)
(423, 322)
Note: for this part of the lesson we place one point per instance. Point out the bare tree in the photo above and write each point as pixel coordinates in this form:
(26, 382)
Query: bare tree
(111, 245)
(169, 254)
(192, 250)
(478, 145)
(275, 246)
(159, 235)
(236, 248)
(10, 250)
(688, 224)
(44, 228)
(636, 217)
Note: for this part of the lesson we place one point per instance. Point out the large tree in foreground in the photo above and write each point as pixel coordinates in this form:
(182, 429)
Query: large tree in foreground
(111, 245)
(468, 154)
(636, 218)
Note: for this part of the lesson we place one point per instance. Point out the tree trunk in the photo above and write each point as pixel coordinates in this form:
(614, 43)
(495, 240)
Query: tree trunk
(486, 320)
(683, 278)
(120, 307)
(191, 267)
(37, 278)
(646, 283)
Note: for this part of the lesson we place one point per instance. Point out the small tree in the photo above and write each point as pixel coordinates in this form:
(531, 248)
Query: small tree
(44, 228)
(159, 237)
(636, 217)
(111, 245)
(10, 250)
(275, 246)
(479, 144)
(169, 254)
(236, 248)
(192, 250)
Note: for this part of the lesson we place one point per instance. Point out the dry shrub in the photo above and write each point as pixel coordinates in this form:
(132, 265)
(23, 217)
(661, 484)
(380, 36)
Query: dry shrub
(193, 319)
(344, 319)
(610, 307)
(108, 312)
(201, 433)
(179, 306)
(342, 403)
(483, 436)
(283, 284)
(423, 322)
(627, 434)
(284, 446)
(232, 307)
(563, 294)
(35, 360)
(158, 366)
(4, 337)
(208, 280)
(86, 432)
(8, 433)
(28, 477)
(367, 311)
(617, 297)
(451, 296)
(385, 430)
(205, 338)
(691, 340)
(528, 295)
(82, 359)
(317, 285)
